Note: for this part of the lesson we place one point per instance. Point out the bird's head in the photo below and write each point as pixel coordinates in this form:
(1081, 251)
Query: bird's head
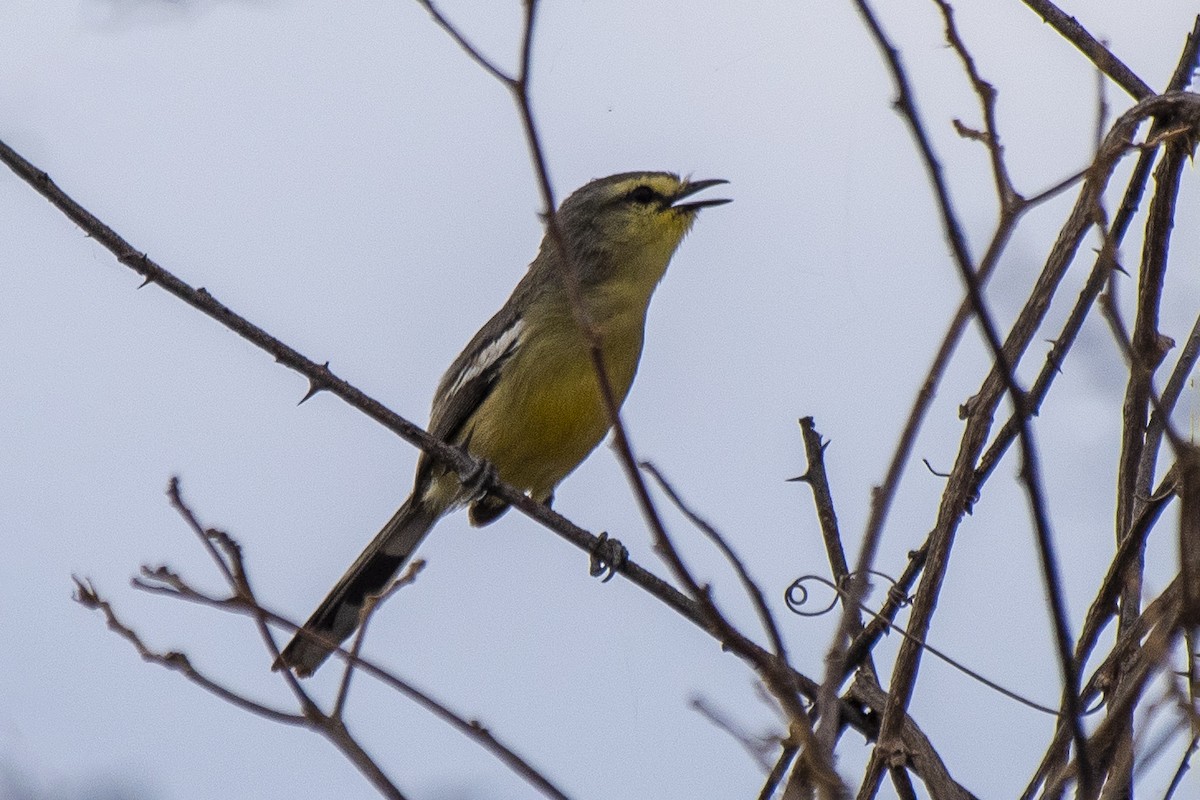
(626, 227)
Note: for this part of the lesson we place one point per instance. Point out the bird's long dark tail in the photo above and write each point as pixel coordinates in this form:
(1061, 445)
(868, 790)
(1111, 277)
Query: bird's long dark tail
(339, 613)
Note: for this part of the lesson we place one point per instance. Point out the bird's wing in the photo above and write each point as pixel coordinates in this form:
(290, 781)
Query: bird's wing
(471, 378)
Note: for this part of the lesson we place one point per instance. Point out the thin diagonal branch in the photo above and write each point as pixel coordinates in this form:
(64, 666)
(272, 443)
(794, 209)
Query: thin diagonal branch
(464, 44)
(786, 756)
(88, 597)
(370, 606)
(766, 618)
(1070, 29)
(986, 93)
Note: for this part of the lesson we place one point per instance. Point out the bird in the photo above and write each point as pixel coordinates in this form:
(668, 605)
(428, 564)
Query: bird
(523, 396)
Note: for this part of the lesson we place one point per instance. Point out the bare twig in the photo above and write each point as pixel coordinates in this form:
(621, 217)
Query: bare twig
(1184, 765)
(1104, 264)
(882, 495)
(1102, 609)
(227, 556)
(370, 605)
(1101, 269)
(850, 622)
(881, 622)
(986, 93)
(818, 481)
(1101, 56)
(464, 44)
(1189, 58)
(766, 618)
(756, 746)
(88, 597)
(903, 783)
(1147, 661)
(1148, 347)
(1146, 351)
(786, 755)
(472, 729)
(1159, 418)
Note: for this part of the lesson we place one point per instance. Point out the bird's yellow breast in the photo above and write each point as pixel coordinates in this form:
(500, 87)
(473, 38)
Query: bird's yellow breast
(536, 427)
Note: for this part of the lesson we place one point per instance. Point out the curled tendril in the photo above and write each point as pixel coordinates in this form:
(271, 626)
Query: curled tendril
(795, 603)
(797, 594)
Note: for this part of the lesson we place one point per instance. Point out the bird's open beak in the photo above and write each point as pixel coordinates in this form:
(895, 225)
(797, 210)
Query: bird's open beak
(690, 188)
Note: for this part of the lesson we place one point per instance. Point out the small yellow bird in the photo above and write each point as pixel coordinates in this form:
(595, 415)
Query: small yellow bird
(523, 395)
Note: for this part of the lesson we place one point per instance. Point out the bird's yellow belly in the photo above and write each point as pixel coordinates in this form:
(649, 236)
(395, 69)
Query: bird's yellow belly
(537, 430)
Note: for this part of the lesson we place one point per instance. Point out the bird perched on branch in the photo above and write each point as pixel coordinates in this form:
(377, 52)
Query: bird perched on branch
(523, 396)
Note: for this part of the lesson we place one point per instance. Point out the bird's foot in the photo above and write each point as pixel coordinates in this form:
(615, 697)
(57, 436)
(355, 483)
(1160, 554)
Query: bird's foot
(608, 556)
(478, 479)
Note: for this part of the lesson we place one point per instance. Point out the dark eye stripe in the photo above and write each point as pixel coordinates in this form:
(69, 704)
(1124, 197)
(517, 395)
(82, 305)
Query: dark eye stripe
(643, 194)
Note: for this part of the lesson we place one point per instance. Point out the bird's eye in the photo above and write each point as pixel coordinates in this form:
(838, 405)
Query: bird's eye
(644, 195)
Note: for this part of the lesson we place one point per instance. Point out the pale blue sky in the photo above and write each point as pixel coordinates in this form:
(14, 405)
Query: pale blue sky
(344, 176)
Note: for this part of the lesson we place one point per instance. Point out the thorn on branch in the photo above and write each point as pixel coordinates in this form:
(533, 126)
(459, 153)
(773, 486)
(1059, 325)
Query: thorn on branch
(1159, 348)
(1053, 357)
(316, 384)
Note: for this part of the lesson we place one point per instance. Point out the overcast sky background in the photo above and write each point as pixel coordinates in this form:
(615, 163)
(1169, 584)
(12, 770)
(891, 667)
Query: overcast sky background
(344, 176)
